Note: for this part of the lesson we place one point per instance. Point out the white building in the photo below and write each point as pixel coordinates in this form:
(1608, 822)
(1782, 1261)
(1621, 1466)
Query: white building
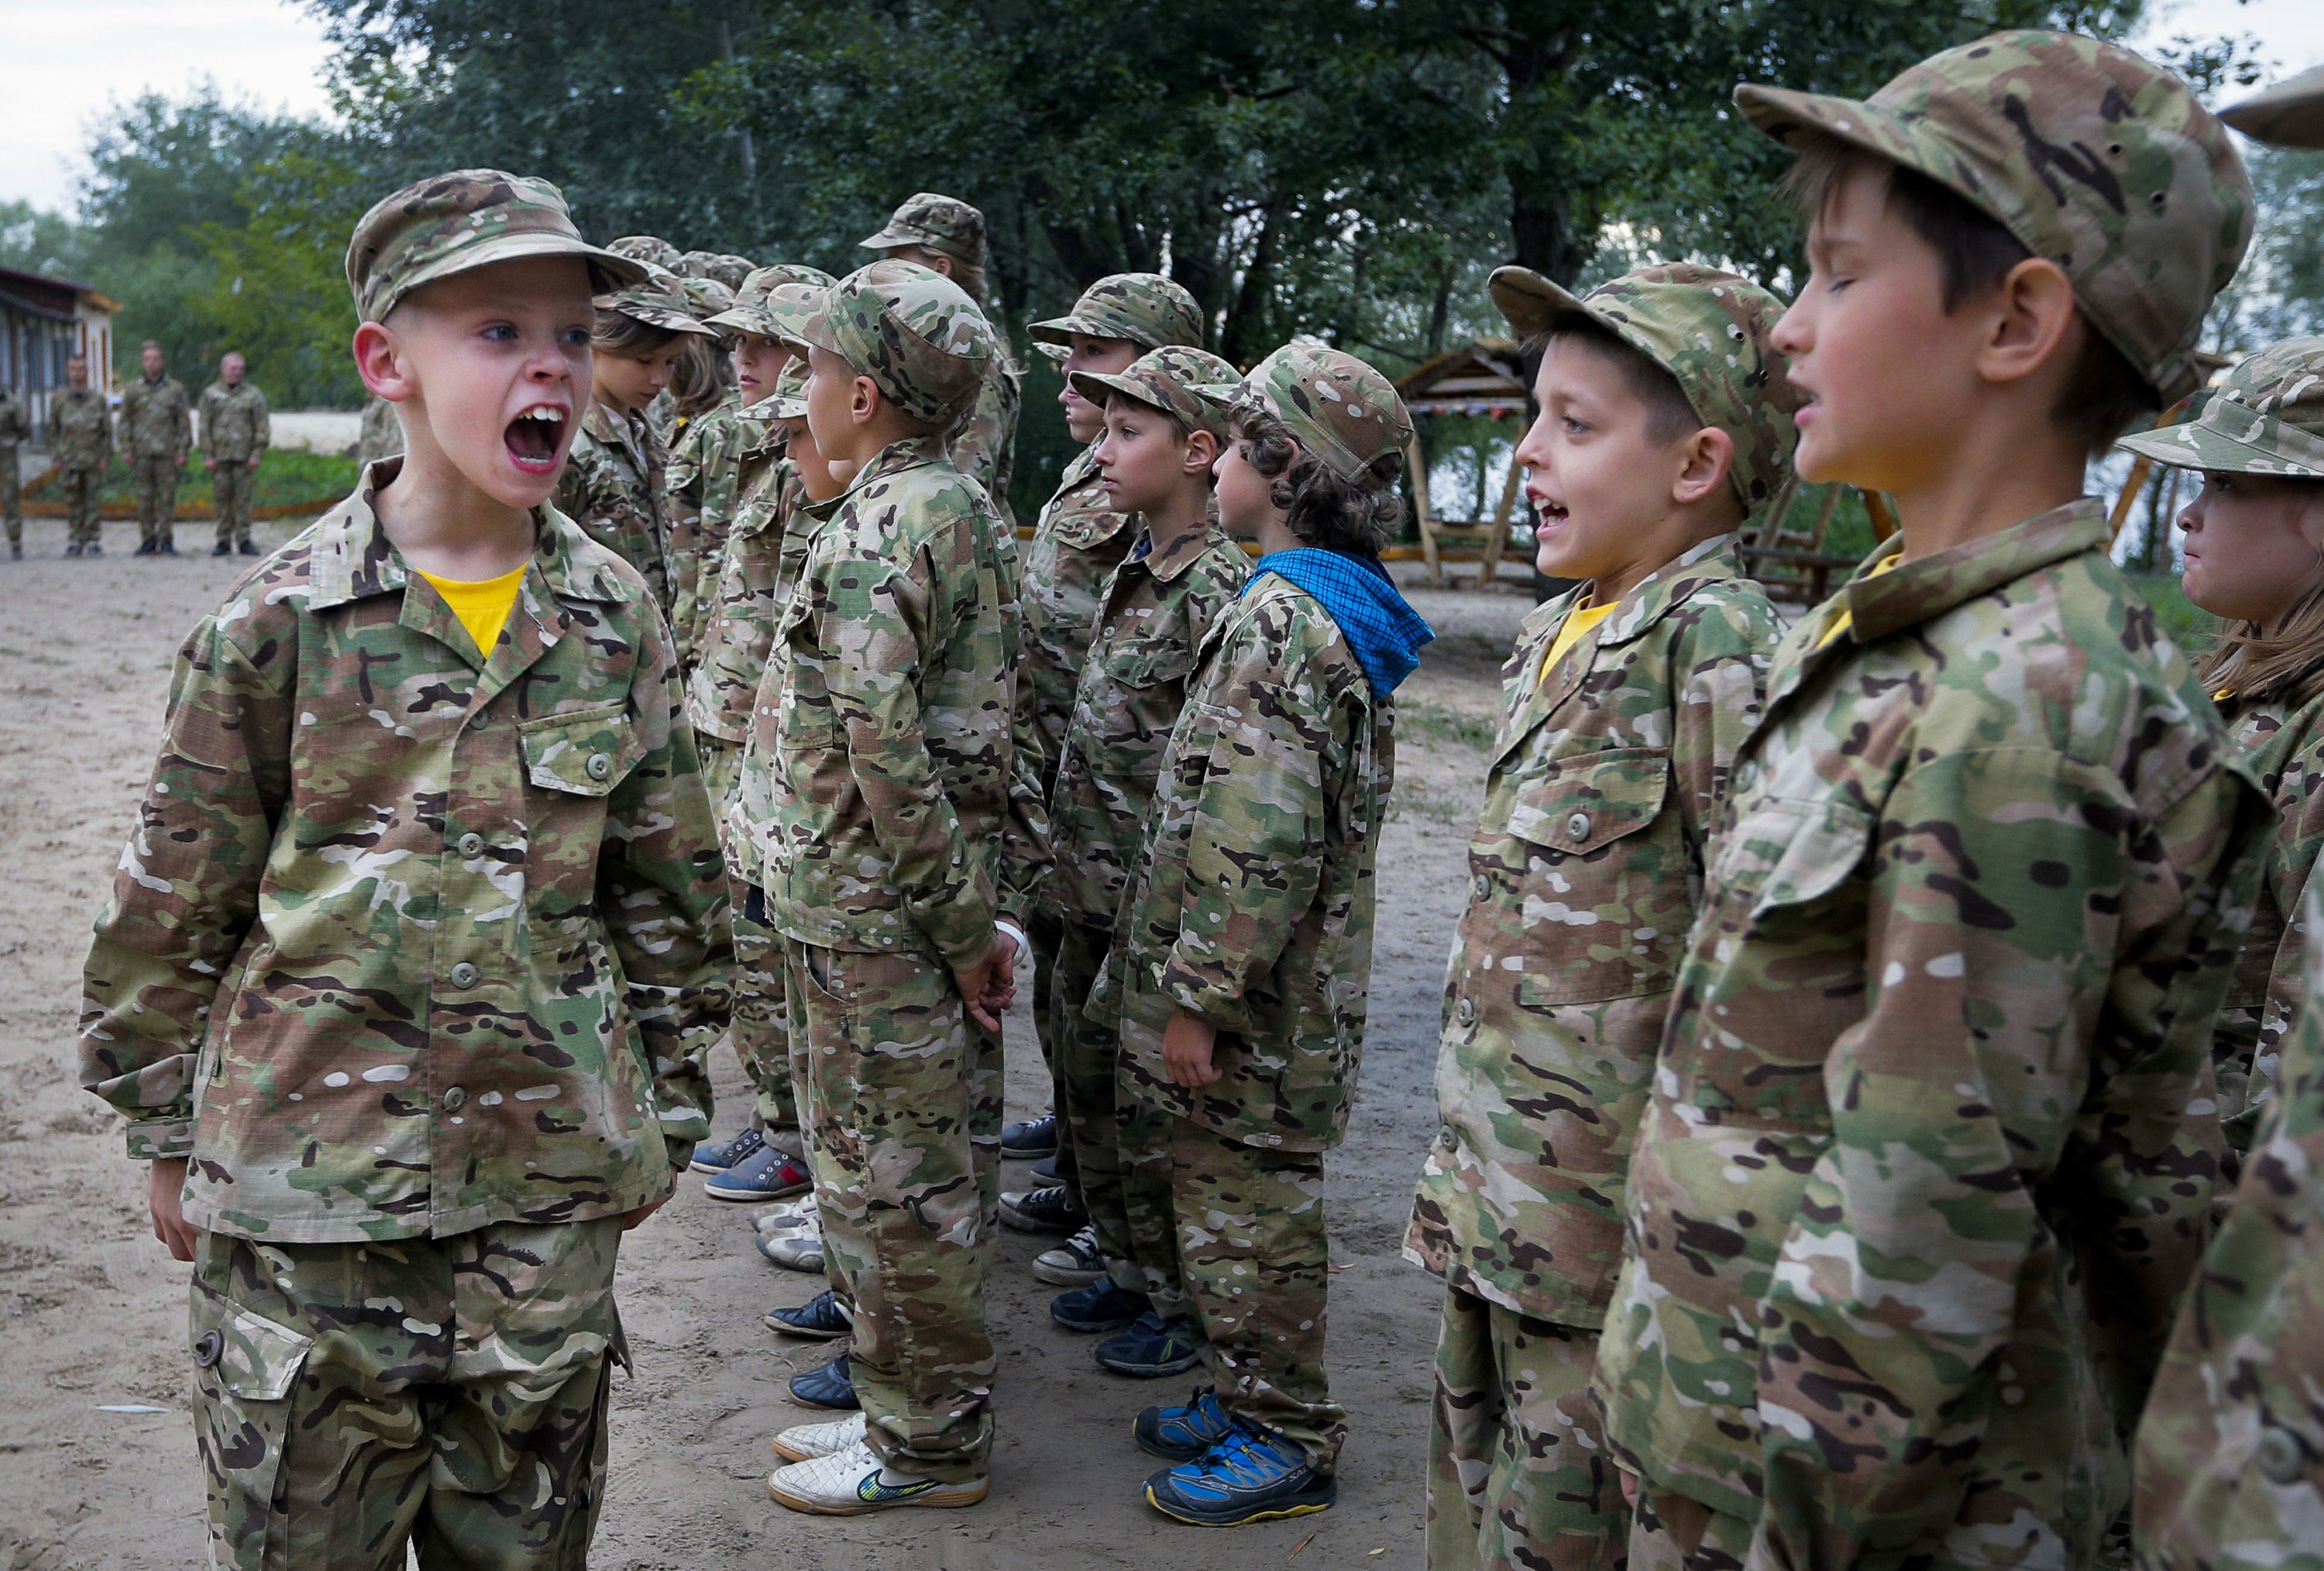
(44, 322)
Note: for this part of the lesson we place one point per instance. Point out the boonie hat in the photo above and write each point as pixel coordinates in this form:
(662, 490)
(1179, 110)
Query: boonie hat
(650, 248)
(1711, 331)
(913, 331)
(707, 297)
(658, 301)
(943, 224)
(1144, 307)
(468, 219)
(771, 300)
(724, 266)
(2087, 154)
(2290, 113)
(1170, 379)
(1337, 407)
(2267, 418)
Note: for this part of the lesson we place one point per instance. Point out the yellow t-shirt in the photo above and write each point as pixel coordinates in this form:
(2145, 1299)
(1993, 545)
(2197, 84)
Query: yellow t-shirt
(1847, 618)
(482, 606)
(1577, 628)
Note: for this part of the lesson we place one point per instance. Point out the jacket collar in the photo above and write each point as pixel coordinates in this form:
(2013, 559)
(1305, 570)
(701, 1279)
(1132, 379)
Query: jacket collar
(619, 431)
(888, 461)
(1181, 553)
(1917, 592)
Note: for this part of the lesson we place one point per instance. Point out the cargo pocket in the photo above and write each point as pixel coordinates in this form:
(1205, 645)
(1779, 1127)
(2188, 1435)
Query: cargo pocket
(1606, 887)
(586, 752)
(246, 1368)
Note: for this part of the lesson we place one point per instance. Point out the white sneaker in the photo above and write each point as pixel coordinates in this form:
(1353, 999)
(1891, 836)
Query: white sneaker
(806, 1442)
(799, 1249)
(850, 1483)
(790, 1214)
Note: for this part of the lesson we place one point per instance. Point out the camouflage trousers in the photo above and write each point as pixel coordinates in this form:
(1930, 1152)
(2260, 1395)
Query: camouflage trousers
(78, 490)
(902, 1103)
(1046, 934)
(12, 496)
(157, 497)
(1672, 1532)
(1256, 1263)
(1120, 1146)
(449, 1392)
(758, 1032)
(1518, 1478)
(230, 483)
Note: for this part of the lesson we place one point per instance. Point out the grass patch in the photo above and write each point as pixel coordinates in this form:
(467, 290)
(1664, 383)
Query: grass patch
(287, 475)
(1435, 720)
(2192, 629)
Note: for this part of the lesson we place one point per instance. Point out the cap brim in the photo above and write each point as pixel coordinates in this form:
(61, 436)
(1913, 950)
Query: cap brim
(1097, 388)
(1532, 304)
(1058, 353)
(1222, 394)
(667, 318)
(782, 408)
(2290, 114)
(1061, 330)
(743, 320)
(887, 239)
(2192, 445)
(1795, 119)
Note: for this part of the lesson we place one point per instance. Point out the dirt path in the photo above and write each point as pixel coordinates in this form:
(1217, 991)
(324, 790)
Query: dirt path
(94, 1313)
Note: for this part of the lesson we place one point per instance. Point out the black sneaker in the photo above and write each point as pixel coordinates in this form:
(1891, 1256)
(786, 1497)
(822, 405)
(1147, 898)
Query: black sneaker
(72, 550)
(146, 548)
(15, 553)
(1152, 1347)
(1075, 1263)
(828, 1385)
(95, 549)
(1050, 1209)
(221, 550)
(821, 1318)
(169, 548)
(1031, 1140)
(1099, 1307)
(249, 550)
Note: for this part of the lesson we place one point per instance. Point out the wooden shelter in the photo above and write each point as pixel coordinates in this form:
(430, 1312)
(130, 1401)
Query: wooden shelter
(1486, 378)
(43, 322)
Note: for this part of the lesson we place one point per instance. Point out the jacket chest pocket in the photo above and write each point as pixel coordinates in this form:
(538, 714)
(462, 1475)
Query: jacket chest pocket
(1149, 679)
(584, 753)
(1594, 857)
(803, 717)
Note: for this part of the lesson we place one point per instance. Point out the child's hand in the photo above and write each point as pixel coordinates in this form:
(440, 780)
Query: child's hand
(1629, 1488)
(1186, 1044)
(165, 1188)
(985, 987)
(631, 1218)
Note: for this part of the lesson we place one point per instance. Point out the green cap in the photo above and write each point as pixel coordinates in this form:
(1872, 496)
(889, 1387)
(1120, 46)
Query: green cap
(1145, 308)
(945, 225)
(1337, 407)
(2291, 113)
(650, 248)
(660, 301)
(913, 331)
(1711, 331)
(2266, 418)
(773, 302)
(468, 219)
(2087, 154)
(1171, 379)
(789, 400)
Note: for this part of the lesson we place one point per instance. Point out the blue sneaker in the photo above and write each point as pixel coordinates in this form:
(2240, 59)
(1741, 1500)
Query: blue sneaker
(766, 1174)
(828, 1385)
(1031, 1138)
(1099, 1307)
(1152, 1347)
(715, 1156)
(1182, 1434)
(1247, 1477)
(821, 1318)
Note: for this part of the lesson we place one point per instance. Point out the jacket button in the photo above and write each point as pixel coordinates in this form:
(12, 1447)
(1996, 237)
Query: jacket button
(1577, 827)
(1446, 1137)
(1483, 885)
(464, 975)
(600, 765)
(1465, 1012)
(2280, 1456)
(209, 1349)
(455, 1099)
(1746, 773)
(472, 844)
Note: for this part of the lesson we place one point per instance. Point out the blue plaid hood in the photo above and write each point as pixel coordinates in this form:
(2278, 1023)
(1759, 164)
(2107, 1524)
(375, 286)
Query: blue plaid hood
(1385, 632)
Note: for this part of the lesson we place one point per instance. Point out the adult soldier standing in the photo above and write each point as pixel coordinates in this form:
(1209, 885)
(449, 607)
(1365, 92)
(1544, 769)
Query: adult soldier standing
(157, 433)
(80, 446)
(13, 429)
(235, 428)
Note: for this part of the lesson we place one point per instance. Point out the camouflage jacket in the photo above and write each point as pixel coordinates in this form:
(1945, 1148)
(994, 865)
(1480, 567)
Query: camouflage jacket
(700, 484)
(2230, 1455)
(157, 419)
(14, 427)
(1929, 1153)
(763, 555)
(1251, 906)
(613, 488)
(1584, 872)
(378, 437)
(1156, 609)
(2286, 750)
(236, 425)
(1077, 542)
(983, 446)
(885, 716)
(400, 947)
(80, 430)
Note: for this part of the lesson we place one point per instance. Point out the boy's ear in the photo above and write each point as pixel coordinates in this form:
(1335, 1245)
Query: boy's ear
(864, 399)
(1201, 452)
(1705, 460)
(2025, 321)
(382, 363)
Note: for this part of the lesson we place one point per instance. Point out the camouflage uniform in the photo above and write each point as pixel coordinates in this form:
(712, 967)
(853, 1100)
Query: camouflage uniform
(378, 437)
(415, 956)
(14, 428)
(1929, 1149)
(237, 428)
(884, 714)
(157, 428)
(80, 446)
(649, 249)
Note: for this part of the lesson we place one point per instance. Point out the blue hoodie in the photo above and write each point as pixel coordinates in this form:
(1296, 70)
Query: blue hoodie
(1385, 632)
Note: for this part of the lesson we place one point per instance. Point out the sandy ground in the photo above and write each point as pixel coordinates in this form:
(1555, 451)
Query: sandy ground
(94, 1311)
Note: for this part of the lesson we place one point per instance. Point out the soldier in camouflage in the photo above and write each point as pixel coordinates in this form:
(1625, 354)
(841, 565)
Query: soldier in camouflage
(14, 428)
(80, 447)
(1621, 718)
(1928, 1153)
(157, 432)
(237, 428)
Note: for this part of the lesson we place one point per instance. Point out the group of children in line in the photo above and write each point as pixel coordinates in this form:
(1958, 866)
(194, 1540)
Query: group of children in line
(1840, 1034)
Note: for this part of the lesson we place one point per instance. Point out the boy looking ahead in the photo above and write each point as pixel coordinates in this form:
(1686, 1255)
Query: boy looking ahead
(415, 950)
(1665, 422)
(1930, 1147)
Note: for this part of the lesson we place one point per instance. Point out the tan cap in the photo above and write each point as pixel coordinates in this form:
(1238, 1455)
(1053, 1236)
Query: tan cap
(945, 225)
(457, 222)
(2290, 113)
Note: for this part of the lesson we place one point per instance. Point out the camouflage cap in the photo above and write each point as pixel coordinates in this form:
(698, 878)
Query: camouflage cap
(468, 219)
(2291, 113)
(650, 248)
(943, 224)
(660, 301)
(913, 331)
(2267, 418)
(708, 296)
(1338, 408)
(773, 302)
(1180, 381)
(1145, 308)
(2087, 154)
(724, 267)
(1711, 331)
(789, 400)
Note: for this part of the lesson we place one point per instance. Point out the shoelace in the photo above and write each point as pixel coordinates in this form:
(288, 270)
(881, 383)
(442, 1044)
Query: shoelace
(746, 1145)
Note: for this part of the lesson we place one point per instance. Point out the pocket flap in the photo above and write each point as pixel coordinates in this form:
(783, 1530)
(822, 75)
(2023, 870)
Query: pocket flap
(1795, 852)
(1149, 662)
(252, 1357)
(1581, 803)
(587, 753)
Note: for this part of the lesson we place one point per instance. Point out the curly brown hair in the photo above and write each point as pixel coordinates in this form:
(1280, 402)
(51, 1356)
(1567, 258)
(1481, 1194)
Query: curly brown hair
(1352, 517)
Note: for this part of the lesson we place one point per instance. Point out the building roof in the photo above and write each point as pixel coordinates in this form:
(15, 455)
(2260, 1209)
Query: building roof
(50, 297)
(1485, 377)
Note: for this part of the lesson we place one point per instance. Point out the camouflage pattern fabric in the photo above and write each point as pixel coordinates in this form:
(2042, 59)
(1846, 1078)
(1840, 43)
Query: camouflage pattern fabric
(1904, 1284)
(720, 267)
(2267, 418)
(611, 487)
(236, 424)
(2088, 155)
(922, 342)
(1251, 905)
(699, 483)
(400, 947)
(649, 249)
(2230, 1455)
(230, 487)
(1518, 1478)
(2290, 114)
(467, 218)
(762, 1036)
(1145, 308)
(983, 445)
(884, 713)
(890, 1099)
(1077, 542)
(351, 1399)
(942, 223)
(1339, 409)
(1167, 380)
(156, 480)
(14, 428)
(378, 437)
(1585, 870)
(659, 300)
(157, 419)
(78, 490)
(761, 561)
(1257, 1268)
(1670, 1532)
(80, 432)
(1144, 1144)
